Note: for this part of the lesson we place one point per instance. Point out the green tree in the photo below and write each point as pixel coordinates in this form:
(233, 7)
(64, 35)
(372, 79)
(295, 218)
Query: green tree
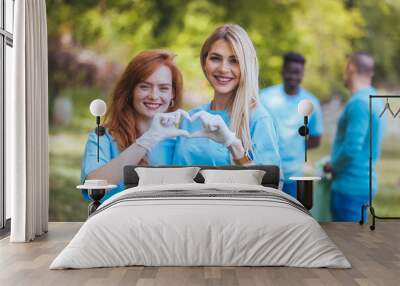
(324, 31)
(381, 37)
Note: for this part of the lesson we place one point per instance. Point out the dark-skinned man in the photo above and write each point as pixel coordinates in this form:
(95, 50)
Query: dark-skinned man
(281, 101)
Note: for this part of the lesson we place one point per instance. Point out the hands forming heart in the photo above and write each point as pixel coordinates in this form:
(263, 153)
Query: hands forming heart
(164, 125)
(214, 126)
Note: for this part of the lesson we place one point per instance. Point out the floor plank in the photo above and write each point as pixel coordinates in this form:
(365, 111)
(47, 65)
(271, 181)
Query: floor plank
(374, 255)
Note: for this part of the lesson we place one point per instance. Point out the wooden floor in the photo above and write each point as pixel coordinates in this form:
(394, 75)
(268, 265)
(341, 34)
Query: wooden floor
(375, 257)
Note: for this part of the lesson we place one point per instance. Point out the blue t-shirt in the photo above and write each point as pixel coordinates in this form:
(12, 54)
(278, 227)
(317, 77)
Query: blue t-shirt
(161, 154)
(205, 151)
(283, 108)
(350, 150)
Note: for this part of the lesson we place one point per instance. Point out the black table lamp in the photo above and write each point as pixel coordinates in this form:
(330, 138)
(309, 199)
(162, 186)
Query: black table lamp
(305, 184)
(305, 108)
(98, 108)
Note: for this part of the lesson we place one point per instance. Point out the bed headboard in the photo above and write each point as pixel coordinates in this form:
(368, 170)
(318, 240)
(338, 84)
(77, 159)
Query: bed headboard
(270, 179)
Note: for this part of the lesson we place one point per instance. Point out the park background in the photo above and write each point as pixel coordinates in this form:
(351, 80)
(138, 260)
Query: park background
(91, 41)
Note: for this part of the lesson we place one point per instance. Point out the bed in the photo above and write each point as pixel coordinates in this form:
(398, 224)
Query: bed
(198, 224)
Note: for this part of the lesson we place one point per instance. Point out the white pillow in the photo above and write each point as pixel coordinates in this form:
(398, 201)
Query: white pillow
(166, 176)
(249, 177)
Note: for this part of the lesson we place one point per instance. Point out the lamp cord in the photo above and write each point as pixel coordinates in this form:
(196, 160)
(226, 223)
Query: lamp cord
(305, 137)
(97, 132)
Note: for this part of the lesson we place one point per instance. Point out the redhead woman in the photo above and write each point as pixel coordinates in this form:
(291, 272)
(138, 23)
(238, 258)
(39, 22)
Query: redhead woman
(233, 128)
(140, 123)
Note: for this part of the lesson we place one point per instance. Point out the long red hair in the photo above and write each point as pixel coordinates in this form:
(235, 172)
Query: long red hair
(120, 118)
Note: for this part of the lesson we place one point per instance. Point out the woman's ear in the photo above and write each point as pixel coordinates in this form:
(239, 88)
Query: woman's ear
(172, 103)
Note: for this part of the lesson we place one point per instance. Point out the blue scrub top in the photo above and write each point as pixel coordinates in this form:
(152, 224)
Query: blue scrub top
(350, 151)
(283, 108)
(204, 151)
(161, 154)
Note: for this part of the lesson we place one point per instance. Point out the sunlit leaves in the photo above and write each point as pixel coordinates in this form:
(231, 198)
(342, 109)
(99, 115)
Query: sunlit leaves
(324, 31)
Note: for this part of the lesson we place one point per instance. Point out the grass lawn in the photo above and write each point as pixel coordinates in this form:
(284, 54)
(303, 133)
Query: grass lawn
(67, 204)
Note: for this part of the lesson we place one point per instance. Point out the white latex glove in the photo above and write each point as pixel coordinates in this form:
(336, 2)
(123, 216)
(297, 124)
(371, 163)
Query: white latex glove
(214, 128)
(163, 126)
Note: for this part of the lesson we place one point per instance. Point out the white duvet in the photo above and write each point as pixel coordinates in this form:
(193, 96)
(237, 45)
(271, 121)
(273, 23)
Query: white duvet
(183, 231)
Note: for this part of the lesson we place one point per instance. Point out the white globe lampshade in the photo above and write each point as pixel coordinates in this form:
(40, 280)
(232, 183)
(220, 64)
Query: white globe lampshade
(98, 107)
(305, 107)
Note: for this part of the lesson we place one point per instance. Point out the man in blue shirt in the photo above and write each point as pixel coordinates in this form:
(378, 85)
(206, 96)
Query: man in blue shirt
(281, 101)
(350, 151)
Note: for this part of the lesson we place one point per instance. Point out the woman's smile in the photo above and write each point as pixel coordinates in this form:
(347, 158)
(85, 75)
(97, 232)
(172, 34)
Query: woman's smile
(223, 80)
(153, 106)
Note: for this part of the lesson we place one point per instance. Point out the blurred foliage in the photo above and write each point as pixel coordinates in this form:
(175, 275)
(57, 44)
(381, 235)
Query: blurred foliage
(324, 31)
(381, 37)
(66, 202)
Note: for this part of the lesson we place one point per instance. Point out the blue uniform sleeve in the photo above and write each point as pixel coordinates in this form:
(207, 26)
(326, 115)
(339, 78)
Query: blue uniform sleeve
(316, 124)
(89, 160)
(357, 125)
(265, 142)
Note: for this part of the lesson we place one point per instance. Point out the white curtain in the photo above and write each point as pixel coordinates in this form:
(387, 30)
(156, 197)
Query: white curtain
(27, 124)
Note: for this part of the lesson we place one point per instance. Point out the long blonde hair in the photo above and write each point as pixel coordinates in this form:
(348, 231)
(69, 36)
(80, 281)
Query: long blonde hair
(246, 96)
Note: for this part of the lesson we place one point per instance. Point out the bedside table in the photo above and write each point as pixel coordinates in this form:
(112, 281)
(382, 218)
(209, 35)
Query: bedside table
(305, 190)
(96, 190)
(95, 195)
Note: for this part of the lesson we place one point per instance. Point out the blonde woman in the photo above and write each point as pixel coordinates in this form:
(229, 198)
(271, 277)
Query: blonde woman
(233, 128)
